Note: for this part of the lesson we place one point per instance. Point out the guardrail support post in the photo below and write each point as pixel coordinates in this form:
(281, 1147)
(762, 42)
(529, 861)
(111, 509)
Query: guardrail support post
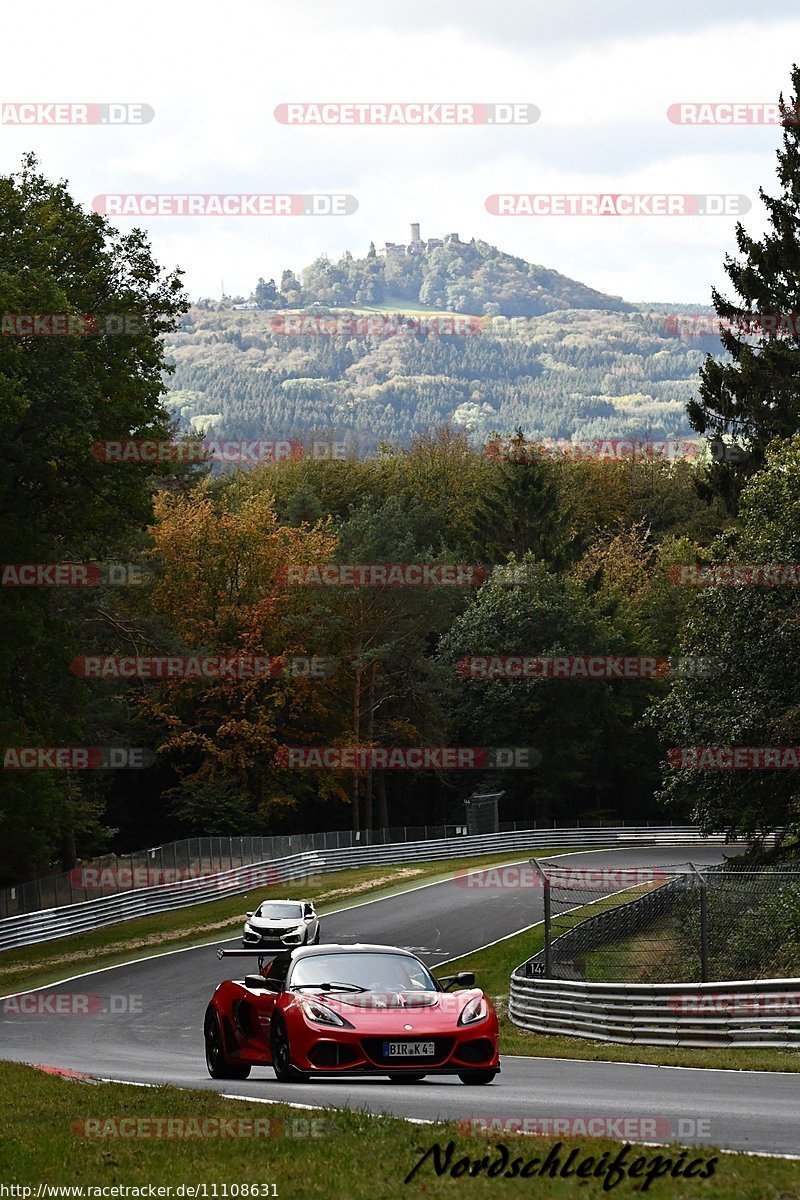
(548, 955)
(703, 932)
(703, 924)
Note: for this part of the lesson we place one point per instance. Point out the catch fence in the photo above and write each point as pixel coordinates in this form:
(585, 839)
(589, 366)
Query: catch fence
(676, 923)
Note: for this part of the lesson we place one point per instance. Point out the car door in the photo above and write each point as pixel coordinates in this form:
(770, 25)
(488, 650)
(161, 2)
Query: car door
(267, 1000)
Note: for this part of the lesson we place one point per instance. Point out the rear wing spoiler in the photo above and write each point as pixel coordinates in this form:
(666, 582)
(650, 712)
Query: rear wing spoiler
(260, 955)
(248, 953)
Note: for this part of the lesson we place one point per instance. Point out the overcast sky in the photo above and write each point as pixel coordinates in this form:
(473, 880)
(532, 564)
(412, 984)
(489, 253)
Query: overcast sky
(603, 76)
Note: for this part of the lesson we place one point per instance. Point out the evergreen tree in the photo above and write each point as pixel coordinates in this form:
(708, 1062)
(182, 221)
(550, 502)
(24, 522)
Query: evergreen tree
(755, 397)
(520, 509)
(266, 294)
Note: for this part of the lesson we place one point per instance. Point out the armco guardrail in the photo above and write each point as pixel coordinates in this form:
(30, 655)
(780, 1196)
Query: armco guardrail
(755, 1012)
(192, 858)
(48, 924)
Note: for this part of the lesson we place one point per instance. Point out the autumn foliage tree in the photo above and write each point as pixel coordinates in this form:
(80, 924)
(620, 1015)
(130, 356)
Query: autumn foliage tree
(218, 588)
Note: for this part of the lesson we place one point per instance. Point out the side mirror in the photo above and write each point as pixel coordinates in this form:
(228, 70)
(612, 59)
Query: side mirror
(259, 983)
(463, 979)
(249, 914)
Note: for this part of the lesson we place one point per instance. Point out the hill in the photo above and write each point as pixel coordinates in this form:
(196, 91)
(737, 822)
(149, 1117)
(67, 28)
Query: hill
(542, 351)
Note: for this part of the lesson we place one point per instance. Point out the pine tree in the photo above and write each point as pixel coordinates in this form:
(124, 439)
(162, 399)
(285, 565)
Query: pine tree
(755, 397)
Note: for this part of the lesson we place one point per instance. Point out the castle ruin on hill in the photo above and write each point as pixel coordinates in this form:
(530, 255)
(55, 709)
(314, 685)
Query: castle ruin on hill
(417, 245)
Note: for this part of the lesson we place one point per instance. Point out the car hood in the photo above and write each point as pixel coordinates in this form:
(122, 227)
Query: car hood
(275, 922)
(446, 1006)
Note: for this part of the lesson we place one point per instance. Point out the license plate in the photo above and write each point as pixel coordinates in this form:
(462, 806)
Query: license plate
(408, 1049)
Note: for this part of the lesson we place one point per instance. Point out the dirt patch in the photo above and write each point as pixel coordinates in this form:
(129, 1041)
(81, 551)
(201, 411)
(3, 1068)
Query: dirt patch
(368, 885)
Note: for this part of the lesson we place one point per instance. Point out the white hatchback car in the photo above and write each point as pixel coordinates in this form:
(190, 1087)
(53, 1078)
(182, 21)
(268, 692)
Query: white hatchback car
(281, 923)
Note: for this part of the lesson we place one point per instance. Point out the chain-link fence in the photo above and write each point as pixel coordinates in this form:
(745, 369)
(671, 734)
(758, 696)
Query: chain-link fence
(194, 858)
(661, 924)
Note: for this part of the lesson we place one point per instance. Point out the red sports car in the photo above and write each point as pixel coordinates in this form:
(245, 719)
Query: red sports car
(349, 1010)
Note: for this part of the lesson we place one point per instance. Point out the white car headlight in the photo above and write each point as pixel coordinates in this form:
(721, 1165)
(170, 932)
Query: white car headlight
(474, 1010)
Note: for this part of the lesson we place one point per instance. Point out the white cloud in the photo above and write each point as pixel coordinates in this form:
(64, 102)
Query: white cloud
(603, 77)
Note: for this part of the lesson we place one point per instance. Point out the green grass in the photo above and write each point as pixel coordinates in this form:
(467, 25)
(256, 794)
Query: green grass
(634, 958)
(351, 1154)
(493, 967)
(216, 920)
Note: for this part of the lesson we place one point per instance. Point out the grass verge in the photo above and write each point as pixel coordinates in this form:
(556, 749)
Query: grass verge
(33, 966)
(44, 1121)
(493, 967)
(636, 958)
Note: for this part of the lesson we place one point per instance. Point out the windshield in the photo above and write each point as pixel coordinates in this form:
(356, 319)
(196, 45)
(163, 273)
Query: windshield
(375, 972)
(280, 912)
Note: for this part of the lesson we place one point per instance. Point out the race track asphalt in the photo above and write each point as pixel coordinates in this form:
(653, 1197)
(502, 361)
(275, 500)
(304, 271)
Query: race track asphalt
(146, 1026)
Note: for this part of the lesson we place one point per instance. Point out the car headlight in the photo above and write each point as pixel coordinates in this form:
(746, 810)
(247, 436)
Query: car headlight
(320, 1014)
(474, 1010)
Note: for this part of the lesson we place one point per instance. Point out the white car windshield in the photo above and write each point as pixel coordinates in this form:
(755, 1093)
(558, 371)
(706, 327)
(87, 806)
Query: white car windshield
(274, 910)
(378, 972)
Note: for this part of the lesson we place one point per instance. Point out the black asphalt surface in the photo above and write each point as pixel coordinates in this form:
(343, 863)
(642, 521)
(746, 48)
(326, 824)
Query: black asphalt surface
(145, 1025)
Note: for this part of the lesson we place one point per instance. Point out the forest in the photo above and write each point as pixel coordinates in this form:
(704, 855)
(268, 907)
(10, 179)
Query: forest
(560, 557)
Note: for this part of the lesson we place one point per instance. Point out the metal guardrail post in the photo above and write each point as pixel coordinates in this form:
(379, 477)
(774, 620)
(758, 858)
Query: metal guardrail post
(704, 932)
(548, 939)
(703, 924)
